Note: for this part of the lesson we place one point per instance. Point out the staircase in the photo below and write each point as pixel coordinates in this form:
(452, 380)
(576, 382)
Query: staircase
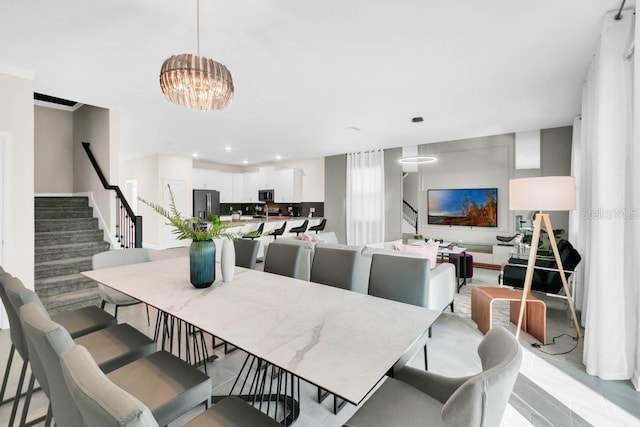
(66, 236)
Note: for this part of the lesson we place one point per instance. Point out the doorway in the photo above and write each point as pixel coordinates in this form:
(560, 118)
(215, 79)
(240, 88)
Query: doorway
(131, 194)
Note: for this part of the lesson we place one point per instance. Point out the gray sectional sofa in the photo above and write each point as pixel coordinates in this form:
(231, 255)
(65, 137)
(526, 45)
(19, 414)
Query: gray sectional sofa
(442, 280)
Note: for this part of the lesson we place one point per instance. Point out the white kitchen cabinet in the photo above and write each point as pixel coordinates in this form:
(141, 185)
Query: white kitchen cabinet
(200, 179)
(288, 185)
(267, 178)
(237, 187)
(251, 185)
(225, 187)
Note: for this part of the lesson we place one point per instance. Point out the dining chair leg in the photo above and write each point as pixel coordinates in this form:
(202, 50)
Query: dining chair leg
(27, 400)
(115, 313)
(102, 304)
(429, 331)
(14, 408)
(5, 380)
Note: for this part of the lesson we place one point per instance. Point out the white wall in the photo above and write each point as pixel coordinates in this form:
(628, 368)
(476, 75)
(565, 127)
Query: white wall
(16, 121)
(53, 139)
(99, 127)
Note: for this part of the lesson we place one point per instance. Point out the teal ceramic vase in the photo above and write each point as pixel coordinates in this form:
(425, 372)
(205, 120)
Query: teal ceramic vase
(202, 255)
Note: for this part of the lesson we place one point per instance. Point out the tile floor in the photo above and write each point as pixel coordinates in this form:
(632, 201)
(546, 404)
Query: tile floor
(551, 390)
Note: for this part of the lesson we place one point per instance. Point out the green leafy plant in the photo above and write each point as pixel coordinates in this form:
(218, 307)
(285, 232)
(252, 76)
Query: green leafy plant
(190, 227)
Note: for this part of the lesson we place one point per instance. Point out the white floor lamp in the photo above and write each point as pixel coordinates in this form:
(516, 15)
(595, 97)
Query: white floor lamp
(548, 193)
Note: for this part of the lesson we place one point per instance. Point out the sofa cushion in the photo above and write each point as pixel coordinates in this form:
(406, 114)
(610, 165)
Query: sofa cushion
(426, 250)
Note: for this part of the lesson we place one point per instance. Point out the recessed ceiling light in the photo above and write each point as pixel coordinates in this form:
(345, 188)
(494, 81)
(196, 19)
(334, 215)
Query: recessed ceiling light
(195, 155)
(245, 162)
(278, 157)
(414, 160)
(227, 148)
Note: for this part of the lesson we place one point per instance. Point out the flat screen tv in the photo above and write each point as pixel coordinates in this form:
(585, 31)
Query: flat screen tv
(475, 207)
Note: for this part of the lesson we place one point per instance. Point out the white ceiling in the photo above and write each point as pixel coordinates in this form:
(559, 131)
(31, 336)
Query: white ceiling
(307, 73)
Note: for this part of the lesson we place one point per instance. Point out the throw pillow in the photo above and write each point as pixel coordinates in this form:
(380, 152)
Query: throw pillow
(428, 251)
(317, 239)
(305, 237)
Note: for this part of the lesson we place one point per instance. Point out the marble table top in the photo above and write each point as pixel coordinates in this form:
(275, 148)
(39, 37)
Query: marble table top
(342, 341)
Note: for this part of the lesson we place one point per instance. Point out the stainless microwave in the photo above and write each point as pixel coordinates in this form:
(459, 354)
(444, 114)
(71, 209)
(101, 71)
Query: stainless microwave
(265, 195)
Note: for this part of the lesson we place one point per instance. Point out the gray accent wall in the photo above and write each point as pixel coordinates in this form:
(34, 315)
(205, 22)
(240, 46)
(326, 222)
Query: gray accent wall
(485, 162)
(335, 195)
(555, 160)
(392, 194)
(489, 162)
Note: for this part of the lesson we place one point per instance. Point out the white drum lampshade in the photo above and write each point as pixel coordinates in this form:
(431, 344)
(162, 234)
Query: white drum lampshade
(545, 193)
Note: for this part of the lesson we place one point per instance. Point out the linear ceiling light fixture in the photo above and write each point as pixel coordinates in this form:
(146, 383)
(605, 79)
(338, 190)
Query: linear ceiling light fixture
(417, 160)
(196, 82)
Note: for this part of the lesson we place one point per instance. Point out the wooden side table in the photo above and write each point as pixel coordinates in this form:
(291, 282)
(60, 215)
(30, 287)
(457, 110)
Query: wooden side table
(535, 312)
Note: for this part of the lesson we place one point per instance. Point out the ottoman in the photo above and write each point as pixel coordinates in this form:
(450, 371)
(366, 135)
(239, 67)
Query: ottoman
(466, 260)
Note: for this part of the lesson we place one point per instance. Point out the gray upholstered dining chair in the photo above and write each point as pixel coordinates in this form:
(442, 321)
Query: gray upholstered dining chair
(246, 252)
(402, 279)
(168, 386)
(335, 267)
(415, 397)
(78, 322)
(117, 258)
(102, 403)
(113, 347)
(283, 259)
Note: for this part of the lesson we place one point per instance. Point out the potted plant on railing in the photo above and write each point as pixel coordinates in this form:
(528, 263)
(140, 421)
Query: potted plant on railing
(202, 252)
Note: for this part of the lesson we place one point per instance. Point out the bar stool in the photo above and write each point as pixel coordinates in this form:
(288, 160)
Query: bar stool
(279, 231)
(255, 233)
(301, 228)
(319, 227)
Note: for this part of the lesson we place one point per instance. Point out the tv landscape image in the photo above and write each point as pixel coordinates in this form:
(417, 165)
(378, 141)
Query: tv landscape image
(475, 207)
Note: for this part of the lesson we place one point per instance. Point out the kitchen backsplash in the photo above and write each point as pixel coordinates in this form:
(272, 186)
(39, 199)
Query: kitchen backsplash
(286, 209)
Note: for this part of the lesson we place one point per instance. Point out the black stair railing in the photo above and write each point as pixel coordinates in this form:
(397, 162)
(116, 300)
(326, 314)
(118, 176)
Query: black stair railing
(410, 215)
(128, 224)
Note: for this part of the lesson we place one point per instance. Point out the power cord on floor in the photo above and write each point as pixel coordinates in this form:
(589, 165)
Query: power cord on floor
(553, 341)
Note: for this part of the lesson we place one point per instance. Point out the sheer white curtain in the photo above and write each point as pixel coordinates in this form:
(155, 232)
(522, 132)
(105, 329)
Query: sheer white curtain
(606, 229)
(365, 197)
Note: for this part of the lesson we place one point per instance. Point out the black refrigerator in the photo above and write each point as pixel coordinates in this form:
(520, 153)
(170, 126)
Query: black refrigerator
(205, 203)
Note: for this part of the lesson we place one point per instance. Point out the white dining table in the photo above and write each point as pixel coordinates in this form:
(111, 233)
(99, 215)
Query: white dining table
(342, 341)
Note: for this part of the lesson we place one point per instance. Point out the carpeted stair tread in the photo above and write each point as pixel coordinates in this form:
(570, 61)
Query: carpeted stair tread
(73, 224)
(63, 280)
(62, 267)
(70, 246)
(41, 202)
(74, 250)
(63, 212)
(71, 300)
(49, 238)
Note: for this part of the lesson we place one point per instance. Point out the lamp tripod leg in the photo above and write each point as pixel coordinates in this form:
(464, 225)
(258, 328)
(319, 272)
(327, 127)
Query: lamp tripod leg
(565, 284)
(528, 278)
